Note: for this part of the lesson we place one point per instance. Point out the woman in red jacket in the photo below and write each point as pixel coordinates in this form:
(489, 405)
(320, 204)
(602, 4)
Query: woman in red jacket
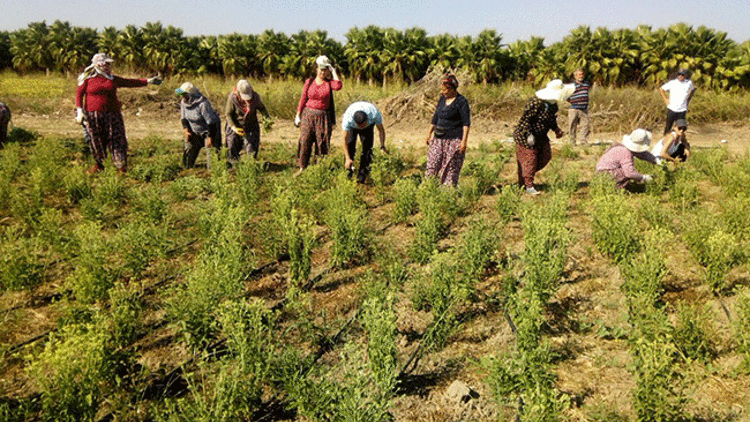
(99, 111)
(316, 113)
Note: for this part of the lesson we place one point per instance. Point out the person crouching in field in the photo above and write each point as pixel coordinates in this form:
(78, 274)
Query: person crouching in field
(242, 127)
(4, 120)
(99, 111)
(674, 145)
(359, 120)
(533, 150)
(200, 123)
(448, 134)
(618, 159)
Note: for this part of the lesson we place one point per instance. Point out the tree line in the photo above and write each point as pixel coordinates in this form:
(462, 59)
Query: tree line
(642, 56)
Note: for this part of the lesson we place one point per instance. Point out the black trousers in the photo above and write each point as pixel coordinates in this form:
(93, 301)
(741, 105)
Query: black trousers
(367, 136)
(193, 144)
(671, 117)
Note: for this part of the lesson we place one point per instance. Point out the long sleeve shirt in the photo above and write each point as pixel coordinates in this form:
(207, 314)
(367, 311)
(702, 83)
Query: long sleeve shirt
(317, 96)
(449, 120)
(619, 159)
(538, 118)
(101, 93)
(243, 114)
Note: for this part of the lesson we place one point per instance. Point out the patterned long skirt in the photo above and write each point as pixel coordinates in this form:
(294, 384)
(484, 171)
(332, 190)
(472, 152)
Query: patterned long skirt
(530, 161)
(107, 132)
(315, 135)
(444, 161)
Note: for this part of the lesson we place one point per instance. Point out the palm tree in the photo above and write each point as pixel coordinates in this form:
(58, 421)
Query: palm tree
(6, 58)
(362, 52)
(71, 47)
(442, 51)
(29, 48)
(130, 47)
(487, 48)
(107, 40)
(272, 47)
(160, 45)
(404, 54)
(237, 54)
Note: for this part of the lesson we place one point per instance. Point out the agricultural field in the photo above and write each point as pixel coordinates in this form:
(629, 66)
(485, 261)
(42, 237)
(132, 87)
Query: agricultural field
(209, 295)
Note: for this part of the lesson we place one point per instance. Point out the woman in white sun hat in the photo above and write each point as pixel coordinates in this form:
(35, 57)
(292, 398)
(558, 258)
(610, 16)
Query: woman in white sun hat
(533, 150)
(242, 128)
(618, 159)
(316, 114)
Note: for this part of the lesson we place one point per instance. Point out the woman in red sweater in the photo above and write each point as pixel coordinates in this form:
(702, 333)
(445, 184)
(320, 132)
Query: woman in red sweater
(316, 113)
(98, 110)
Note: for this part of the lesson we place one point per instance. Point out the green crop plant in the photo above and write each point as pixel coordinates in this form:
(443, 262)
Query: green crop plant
(602, 185)
(345, 214)
(151, 205)
(693, 331)
(20, 260)
(139, 243)
(216, 275)
(379, 320)
(735, 218)
(655, 214)
(683, 191)
(385, 169)
(438, 206)
(249, 182)
(658, 395)
(300, 238)
(74, 373)
(222, 394)
(613, 227)
(508, 202)
(546, 241)
(405, 198)
(249, 328)
(711, 163)
(125, 312)
(716, 250)
(742, 326)
(94, 270)
(483, 176)
(477, 247)
(76, 185)
(644, 274)
(189, 187)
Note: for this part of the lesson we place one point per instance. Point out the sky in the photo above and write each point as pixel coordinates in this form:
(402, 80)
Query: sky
(515, 20)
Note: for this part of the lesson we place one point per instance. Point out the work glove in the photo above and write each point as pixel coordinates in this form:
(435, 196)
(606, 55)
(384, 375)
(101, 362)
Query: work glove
(238, 130)
(156, 80)
(647, 178)
(296, 120)
(79, 115)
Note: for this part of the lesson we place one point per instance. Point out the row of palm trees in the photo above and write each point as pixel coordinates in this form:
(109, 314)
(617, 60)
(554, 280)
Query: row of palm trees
(641, 56)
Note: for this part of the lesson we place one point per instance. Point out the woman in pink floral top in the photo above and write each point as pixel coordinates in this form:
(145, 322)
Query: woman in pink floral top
(618, 159)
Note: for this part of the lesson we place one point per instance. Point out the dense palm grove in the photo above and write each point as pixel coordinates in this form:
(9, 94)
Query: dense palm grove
(641, 56)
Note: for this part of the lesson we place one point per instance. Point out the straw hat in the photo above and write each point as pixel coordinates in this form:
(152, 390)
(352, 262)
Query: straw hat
(638, 141)
(245, 89)
(556, 91)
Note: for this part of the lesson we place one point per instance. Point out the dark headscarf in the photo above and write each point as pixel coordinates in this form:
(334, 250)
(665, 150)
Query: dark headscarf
(450, 80)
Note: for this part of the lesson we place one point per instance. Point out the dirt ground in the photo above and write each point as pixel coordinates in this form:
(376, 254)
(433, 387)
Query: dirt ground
(141, 124)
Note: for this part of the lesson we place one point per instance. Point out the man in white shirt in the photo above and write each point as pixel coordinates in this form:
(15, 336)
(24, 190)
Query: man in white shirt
(680, 90)
(360, 119)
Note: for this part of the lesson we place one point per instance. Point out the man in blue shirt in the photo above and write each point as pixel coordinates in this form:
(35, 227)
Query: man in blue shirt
(360, 119)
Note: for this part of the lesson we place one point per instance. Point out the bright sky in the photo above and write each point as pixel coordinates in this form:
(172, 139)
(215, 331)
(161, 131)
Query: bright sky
(516, 19)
